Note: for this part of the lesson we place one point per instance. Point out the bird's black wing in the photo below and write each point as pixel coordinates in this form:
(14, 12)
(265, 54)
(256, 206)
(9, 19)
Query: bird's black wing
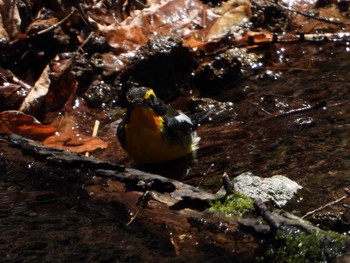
(121, 134)
(179, 128)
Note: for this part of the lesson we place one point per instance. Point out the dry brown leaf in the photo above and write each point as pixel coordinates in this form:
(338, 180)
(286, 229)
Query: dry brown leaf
(12, 90)
(53, 87)
(33, 101)
(194, 22)
(233, 14)
(64, 122)
(25, 125)
(10, 20)
(63, 83)
(74, 141)
(332, 13)
(172, 17)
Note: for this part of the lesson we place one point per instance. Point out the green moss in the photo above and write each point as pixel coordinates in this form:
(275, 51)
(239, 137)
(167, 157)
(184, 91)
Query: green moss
(299, 247)
(234, 204)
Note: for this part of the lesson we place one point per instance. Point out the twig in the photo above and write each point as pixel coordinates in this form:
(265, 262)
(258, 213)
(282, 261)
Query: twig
(80, 48)
(82, 14)
(328, 204)
(318, 105)
(94, 133)
(228, 185)
(142, 202)
(205, 175)
(53, 27)
(326, 20)
(96, 127)
(265, 213)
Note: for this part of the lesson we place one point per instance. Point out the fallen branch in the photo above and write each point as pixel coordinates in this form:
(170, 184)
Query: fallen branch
(47, 30)
(154, 203)
(322, 19)
(319, 105)
(328, 204)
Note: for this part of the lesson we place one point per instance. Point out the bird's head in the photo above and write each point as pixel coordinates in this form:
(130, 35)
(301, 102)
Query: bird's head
(145, 97)
(140, 95)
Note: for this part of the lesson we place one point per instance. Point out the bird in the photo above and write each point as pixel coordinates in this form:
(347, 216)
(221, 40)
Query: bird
(153, 132)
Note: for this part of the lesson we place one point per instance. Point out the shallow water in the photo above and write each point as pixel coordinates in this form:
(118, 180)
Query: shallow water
(310, 147)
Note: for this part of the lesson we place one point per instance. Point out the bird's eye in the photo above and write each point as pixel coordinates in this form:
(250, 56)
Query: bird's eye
(152, 97)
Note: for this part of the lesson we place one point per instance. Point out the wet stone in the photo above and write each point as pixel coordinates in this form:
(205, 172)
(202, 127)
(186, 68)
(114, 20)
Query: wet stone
(278, 189)
(214, 110)
(97, 44)
(163, 64)
(99, 94)
(226, 70)
(83, 72)
(220, 73)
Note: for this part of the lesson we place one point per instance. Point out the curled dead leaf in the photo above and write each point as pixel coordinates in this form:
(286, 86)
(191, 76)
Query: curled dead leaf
(10, 20)
(24, 125)
(196, 23)
(36, 95)
(74, 141)
(233, 14)
(64, 122)
(171, 17)
(12, 90)
(53, 87)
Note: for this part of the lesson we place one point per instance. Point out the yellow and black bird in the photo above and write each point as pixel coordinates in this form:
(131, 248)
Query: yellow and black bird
(153, 132)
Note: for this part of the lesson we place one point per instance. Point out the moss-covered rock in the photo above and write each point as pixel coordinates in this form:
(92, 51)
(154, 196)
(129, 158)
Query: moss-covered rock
(233, 204)
(291, 245)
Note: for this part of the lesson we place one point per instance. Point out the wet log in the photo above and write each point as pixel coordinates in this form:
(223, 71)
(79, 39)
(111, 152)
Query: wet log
(173, 211)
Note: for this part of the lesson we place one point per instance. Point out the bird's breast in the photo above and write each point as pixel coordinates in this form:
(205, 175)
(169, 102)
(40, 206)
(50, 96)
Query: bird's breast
(146, 141)
(145, 118)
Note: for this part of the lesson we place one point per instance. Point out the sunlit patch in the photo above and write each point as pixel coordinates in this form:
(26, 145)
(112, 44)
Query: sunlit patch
(291, 3)
(76, 104)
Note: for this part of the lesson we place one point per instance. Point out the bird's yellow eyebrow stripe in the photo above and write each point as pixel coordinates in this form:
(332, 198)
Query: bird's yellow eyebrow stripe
(149, 93)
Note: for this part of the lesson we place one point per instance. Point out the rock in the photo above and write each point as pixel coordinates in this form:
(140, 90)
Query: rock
(343, 258)
(278, 189)
(226, 70)
(164, 64)
(218, 74)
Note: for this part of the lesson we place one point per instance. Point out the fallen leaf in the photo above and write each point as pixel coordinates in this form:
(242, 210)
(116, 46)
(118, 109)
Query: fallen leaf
(172, 17)
(12, 90)
(331, 13)
(196, 23)
(74, 141)
(24, 125)
(232, 15)
(64, 122)
(33, 101)
(53, 88)
(10, 20)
